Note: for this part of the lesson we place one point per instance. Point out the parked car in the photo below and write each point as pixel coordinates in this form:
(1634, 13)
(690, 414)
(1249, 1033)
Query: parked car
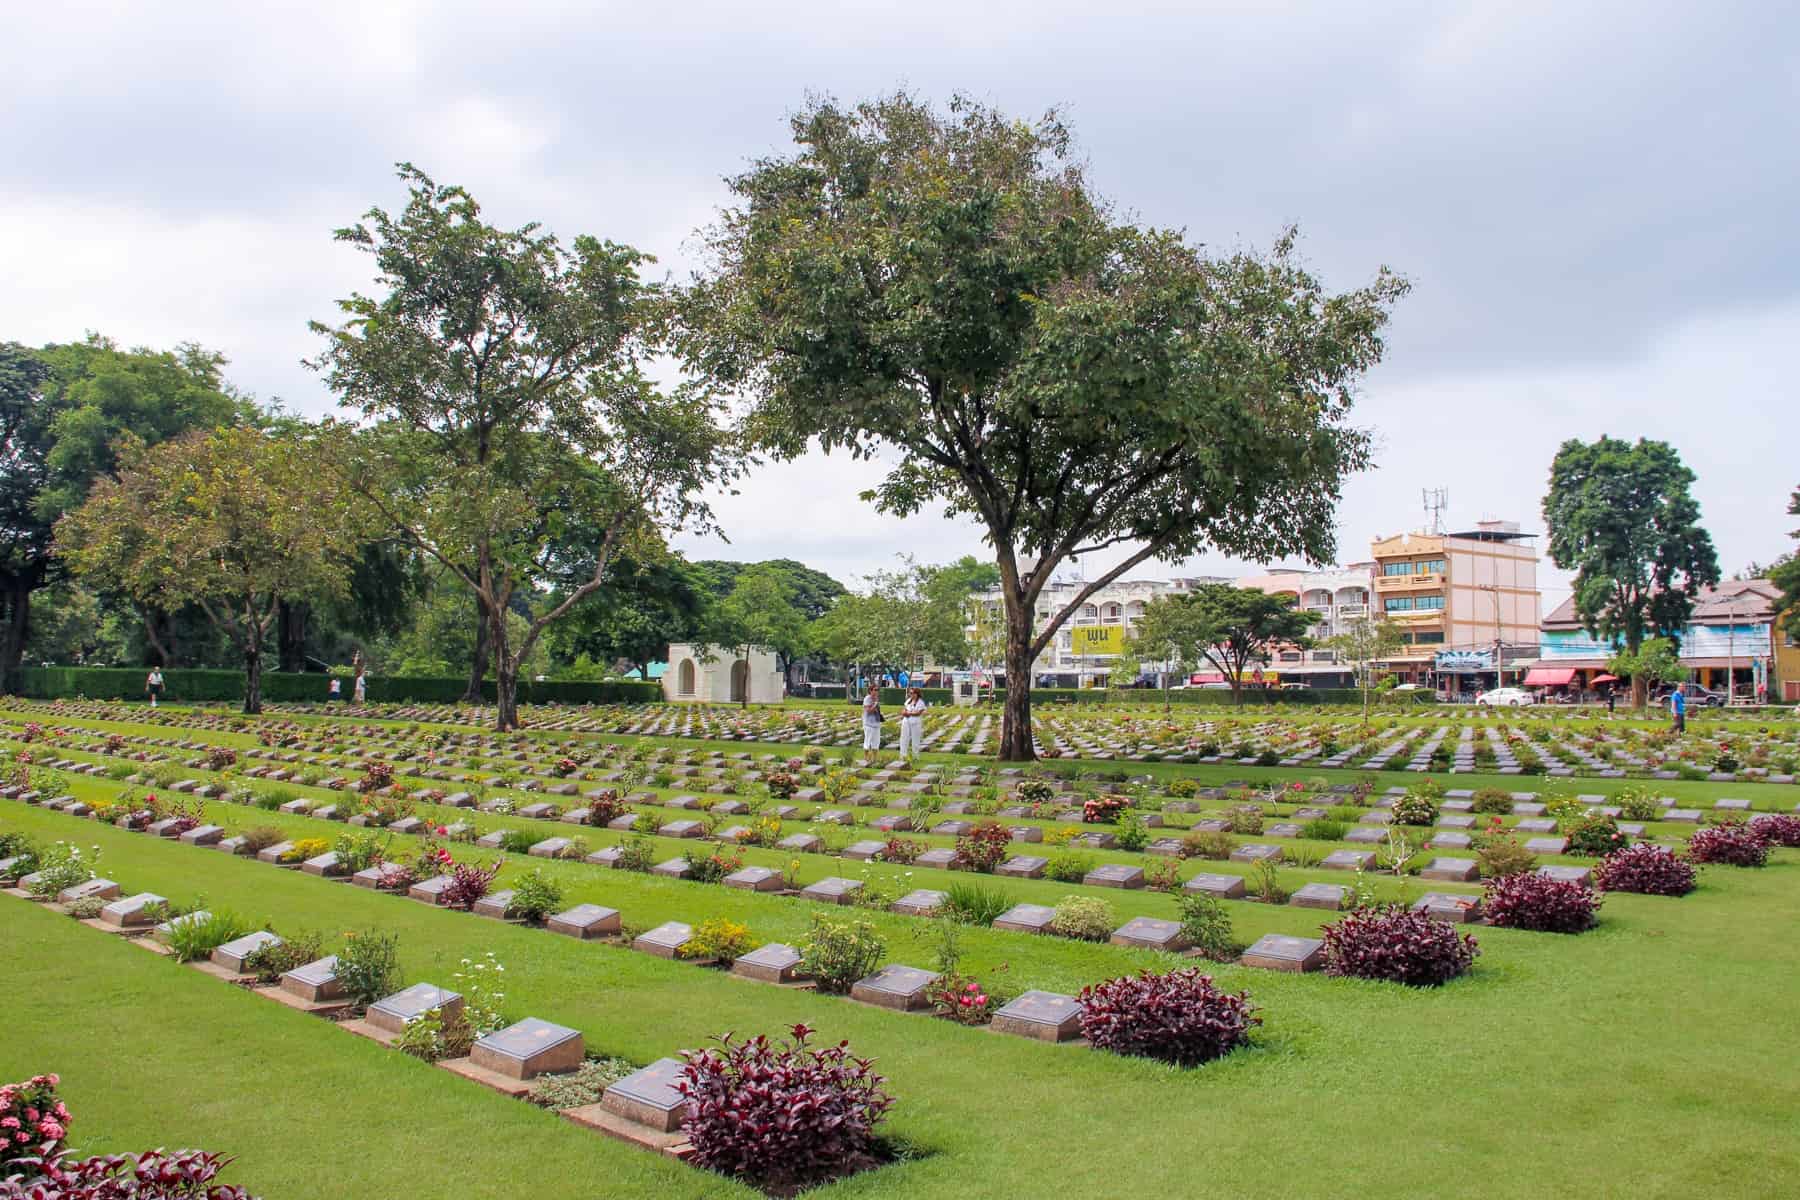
(1696, 695)
(1506, 697)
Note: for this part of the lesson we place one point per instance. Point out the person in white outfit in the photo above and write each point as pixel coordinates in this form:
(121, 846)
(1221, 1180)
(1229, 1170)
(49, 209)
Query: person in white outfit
(871, 723)
(912, 725)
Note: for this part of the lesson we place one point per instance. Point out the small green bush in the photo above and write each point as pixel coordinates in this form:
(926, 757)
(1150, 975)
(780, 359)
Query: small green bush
(1068, 866)
(1083, 918)
(838, 953)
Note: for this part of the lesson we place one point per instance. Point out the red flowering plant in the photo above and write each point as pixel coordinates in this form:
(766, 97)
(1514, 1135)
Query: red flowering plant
(1646, 869)
(1178, 1017)
(1594, 836)
(983, 848)
(469, 882)
(376, 776)
(605, 807)
(1777, 829)
(1399, 946)
(783, 1115)
(962, 999)
(32, 732)
(221, 758)
(1104, 810)
(115, 743)
(1528, 900)
(1731, 843)
(152, 1175)
(566, 766)
(33, 1122)
(781, 784)
(186, 815)
(715, 866)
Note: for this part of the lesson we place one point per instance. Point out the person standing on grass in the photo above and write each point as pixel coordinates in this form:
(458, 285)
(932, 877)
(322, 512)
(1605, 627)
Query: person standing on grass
(912, 725)
(153, 685)
(334, 690)
(872, 723)
(1678, 707)
(1612, 696)
(361, 688)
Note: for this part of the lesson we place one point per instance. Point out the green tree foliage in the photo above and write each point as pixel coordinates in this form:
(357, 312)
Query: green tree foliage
(1785, 574)
(812, 591)
(1174, 634)
(63, 409)
(1360, 645)
(1656, 662)
(646, 603)
(760, 610)
(1622, 518)
(1247, 624)
(944, 289)
(233, 521)
(500, 370)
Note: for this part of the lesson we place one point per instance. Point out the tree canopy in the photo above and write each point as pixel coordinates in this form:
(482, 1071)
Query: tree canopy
(1243, 626)
(812, 591)
(1361, 643)
(1622, 517)
(943, 287)
(499, 370)
(1173, 634)
(63, 411)
(647, 602)
(1785, 575)
(234, 520)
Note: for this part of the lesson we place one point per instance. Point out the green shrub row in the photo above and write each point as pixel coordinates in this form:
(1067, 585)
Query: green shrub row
(113, 683)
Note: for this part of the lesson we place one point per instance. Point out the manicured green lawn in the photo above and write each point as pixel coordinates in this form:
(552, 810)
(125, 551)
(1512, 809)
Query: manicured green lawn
(1657, 1056)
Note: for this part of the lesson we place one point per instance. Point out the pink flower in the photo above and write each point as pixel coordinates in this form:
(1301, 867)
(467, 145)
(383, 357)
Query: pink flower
(9, 1122)
(51, 1130)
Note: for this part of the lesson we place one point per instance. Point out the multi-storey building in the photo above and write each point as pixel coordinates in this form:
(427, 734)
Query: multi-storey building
(1081, 653)
(1467, 603)
(1338, 596)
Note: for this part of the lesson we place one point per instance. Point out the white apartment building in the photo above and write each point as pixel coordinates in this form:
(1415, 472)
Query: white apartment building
(1113, 611)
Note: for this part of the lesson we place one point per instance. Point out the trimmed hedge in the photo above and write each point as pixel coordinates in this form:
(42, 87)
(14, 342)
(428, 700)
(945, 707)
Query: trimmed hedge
(127, 683)
(1213, 696)
(1153, 696)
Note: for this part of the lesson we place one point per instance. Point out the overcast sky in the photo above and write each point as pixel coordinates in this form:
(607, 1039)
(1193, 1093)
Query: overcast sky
(1594, 202)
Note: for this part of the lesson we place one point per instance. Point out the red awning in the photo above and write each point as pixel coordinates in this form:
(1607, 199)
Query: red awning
(1549, 676)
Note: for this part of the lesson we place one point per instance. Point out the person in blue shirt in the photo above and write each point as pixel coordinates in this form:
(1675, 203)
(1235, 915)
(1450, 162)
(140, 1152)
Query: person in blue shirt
(1678, 706)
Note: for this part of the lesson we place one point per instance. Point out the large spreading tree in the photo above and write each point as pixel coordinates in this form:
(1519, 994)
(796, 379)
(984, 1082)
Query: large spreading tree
(1247, 626)
(1173, 634)
(944, 290)
(1785, 574)
(499, 373)
(63, 411)
(1622, 517)
(234, 521)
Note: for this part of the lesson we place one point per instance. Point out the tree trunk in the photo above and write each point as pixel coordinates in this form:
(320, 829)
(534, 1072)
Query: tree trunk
(1015, 717)
(253, 679)
(157, 623)
(1640, 686)
(290, 635)
(506, 675)
(479, 664)
(506, 694)
(17, 599)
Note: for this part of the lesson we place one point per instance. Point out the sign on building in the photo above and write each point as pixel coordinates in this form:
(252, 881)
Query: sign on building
(1463, 662)
(1097, 639)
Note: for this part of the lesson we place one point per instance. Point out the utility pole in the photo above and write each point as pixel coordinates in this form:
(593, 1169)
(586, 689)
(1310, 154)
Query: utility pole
(1499, 645)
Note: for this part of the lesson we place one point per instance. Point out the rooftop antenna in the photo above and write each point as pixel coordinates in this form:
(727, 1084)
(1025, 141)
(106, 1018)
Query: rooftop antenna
(1436, 501)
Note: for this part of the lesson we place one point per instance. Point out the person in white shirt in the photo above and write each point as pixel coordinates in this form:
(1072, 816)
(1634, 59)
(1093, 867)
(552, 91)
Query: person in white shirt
(871, 724)
(153, 685)
(912, 725)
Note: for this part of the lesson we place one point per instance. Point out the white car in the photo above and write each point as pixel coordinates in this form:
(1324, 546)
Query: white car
(1506, 697)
